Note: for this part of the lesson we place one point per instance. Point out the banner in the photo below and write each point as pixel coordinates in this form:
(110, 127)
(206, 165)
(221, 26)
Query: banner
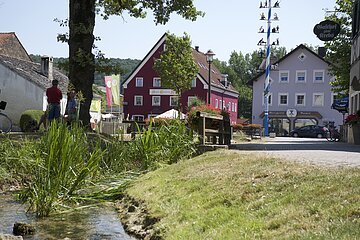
(115, 89)
(108, 83)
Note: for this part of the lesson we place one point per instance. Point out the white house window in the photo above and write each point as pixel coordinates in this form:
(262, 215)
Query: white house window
(139, 82)
(156, 100)
(216, 103)
(193, 83)
(283, 99)
(191, 100)
(318, 99)
(229, 106)
(138, 100)
(174, 101)
(233, 107)
(319, 75)
(301, 76)
(284, 76)
(220, 104)
(156, 82)
(224, 104)
(300, 99)
(269, 99)
(334, 97)
(138, 118)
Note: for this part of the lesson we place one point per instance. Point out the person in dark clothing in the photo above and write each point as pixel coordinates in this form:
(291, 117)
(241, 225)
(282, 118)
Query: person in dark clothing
(54, 96)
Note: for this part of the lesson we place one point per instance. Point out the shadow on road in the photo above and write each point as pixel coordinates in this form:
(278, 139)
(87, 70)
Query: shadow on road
(286, 145)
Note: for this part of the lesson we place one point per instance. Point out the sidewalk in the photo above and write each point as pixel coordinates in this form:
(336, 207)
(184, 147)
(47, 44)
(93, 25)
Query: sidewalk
(311, 150)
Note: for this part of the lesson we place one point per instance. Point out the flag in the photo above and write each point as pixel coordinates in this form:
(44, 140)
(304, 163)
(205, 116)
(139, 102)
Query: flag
(115, 89)
(108, 83)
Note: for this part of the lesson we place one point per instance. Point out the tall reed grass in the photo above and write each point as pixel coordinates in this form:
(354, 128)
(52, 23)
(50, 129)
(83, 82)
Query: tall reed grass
(65, 162)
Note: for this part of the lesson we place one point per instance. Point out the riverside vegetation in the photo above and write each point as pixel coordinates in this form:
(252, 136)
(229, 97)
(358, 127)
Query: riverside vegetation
(63, 167)
(217, 195)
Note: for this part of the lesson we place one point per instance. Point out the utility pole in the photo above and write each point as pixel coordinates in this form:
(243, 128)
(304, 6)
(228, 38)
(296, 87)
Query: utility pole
(267, 5)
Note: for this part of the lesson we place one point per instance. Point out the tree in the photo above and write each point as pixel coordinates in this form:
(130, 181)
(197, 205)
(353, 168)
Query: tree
(176, 66)
(339, 53)
(241, 69)
(81, 38)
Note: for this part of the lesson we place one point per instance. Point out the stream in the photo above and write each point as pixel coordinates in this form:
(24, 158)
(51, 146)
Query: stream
(95, 223)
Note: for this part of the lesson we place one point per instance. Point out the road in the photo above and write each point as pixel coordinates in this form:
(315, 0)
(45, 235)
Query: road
(311, 150)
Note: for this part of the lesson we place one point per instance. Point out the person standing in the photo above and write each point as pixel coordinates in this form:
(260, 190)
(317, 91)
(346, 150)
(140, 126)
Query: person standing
(71, 107)
(54, 96)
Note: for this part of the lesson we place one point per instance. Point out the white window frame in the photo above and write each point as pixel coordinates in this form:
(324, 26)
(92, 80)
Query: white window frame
(279, 99)
(190, 99)
(313, 100)
(323, 76)
(216, 103)
(171, 97)
(296, 98)
(271, 99)
(220, 104)
(142, 100)
(224, 105)
(140, 116)
(155, 81)
(154, 102)
(152, 115)
(233, 107)
(297, 76)
(193, 83)
(138, 80)
(229, 106)
(288, 76)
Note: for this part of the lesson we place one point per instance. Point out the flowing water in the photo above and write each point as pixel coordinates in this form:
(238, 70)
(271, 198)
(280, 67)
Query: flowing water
(95, 223)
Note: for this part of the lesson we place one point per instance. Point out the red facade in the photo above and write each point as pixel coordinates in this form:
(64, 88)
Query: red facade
(156, 100)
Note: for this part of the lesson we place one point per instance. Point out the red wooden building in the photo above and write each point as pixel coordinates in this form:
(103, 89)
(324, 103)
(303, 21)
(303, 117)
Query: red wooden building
(144, 97)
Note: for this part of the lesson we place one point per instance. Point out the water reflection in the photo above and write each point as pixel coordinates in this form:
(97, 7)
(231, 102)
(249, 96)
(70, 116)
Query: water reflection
(95, 223)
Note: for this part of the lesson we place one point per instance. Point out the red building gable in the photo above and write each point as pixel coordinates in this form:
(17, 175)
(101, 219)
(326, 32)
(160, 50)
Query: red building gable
(144, 97)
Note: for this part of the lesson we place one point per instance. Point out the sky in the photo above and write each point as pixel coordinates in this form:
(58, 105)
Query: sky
(228, 25)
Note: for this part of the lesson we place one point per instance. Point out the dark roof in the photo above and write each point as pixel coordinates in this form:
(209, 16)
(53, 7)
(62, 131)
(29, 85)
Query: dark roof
(31, 71)
(301, 46)
(215, 75)
(12, 47)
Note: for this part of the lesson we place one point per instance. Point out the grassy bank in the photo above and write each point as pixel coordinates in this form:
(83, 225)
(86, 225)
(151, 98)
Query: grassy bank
(230, 195)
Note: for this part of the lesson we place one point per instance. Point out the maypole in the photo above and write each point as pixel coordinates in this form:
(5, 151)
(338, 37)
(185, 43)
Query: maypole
(267, 4)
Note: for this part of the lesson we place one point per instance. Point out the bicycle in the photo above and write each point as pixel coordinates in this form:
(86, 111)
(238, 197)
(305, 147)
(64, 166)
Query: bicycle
(332, 134)
(5, 121)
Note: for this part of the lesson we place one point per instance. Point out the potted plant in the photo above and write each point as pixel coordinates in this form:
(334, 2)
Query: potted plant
(353, 120)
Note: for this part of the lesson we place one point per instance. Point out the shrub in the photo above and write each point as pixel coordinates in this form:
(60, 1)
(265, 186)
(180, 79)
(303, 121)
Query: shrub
(30, 119)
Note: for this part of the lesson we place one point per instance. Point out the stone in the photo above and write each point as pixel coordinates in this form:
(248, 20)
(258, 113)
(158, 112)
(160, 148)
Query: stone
(10, 237)
(22, 229)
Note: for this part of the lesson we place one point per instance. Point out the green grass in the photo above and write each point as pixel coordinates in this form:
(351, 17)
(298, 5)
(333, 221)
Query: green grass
(232, 195)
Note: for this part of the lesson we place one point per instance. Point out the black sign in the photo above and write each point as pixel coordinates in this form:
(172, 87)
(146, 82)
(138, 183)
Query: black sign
(327, 30)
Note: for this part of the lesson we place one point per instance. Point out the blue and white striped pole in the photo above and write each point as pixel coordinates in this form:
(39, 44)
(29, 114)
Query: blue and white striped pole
(267, 74)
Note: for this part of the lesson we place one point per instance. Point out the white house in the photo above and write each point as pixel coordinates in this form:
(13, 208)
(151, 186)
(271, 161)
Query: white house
(23, 83)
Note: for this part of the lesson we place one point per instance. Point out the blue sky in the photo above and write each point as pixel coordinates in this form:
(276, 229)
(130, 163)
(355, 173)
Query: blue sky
(229, 25)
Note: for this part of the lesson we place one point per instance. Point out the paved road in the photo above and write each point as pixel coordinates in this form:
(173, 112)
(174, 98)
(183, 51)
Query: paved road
(312, 150)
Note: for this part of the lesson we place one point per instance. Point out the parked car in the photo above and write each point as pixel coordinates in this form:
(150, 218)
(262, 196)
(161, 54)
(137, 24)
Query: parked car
(309, 131)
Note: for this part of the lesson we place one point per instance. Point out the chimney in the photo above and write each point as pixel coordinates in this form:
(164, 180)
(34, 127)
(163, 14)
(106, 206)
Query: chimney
(47, 67)
(197, 48)
(322, 51)
(224, 81)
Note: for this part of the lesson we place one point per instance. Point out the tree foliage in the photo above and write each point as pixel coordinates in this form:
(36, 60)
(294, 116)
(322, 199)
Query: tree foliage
(340, 47)
(81, 39)
(176, 66)
(241, 69)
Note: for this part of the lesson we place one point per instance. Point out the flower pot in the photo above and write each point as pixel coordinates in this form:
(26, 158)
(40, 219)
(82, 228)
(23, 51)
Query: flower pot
(356, 134)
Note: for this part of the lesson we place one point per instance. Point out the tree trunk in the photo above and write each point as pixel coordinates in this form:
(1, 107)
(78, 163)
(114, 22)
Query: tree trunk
(81, 59)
